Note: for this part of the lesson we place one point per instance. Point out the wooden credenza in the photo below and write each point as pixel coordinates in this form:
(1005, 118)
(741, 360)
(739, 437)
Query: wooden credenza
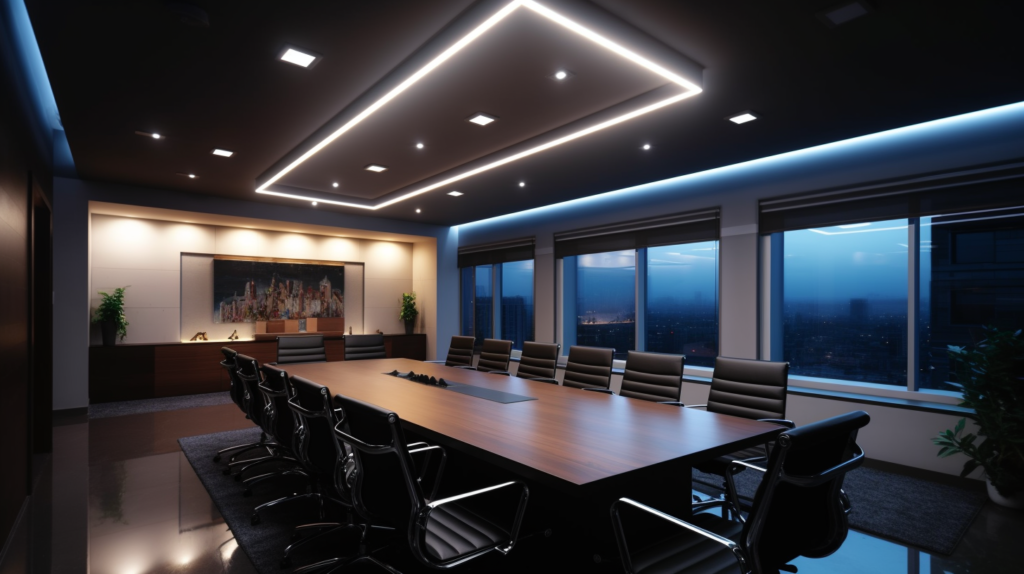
(153, 370)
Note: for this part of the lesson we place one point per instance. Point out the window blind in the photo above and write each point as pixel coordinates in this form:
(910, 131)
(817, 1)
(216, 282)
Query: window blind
(501, 252)
(673, 229)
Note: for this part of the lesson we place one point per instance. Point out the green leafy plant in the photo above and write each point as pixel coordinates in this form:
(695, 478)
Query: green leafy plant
(409, 311)
(991, 377)
(112, 309)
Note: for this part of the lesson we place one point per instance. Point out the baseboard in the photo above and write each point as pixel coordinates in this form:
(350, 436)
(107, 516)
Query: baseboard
(15, 529)
(62, 417)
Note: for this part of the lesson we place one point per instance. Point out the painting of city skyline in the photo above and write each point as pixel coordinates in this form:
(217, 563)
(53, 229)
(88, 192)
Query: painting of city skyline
(249, 291)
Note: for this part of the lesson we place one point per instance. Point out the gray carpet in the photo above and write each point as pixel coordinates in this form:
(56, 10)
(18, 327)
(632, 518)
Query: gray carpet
(911, 511)
(120, 409)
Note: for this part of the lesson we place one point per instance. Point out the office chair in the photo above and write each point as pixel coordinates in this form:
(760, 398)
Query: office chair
(798, 510)
(300, 349)
(280, 426)
(460, 352)
(651, 377)
(359, 347)
(239, 397)
(494, 357)
(538, 362)
(587, 368)
(250, 375)
(749, 389)
(387, 490)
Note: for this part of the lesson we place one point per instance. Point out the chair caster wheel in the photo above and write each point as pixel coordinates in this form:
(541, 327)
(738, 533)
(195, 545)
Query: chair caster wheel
(247, 493)
(216, 458)
(255, 519)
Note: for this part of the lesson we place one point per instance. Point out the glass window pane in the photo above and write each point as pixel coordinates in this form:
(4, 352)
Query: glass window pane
(466, 306)
(517, 302)
(484, 305)
(606, 301)
(845, 302)
(682, 301)
(972, 275)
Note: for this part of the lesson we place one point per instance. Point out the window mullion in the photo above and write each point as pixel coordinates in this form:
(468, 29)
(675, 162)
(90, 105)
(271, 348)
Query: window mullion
(913, 301)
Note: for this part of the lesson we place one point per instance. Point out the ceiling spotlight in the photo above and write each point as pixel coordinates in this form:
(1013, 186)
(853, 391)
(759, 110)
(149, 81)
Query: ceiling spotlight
(482, 119)
(455, 193)
(191, 176)
(222, 152)
(522, 184)
(335, 184)
(298, 57)
(417, 210)
(561, 75)
(156, 136)
(375, 168)
(419, 146)
(148, 135)
(314, 204)
(743, 118)
(647, 146)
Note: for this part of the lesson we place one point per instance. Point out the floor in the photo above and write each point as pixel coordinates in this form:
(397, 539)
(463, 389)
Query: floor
(118, 497)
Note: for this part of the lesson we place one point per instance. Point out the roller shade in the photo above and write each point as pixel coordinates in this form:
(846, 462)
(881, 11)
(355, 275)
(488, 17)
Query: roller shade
(984, 187)
(491, 253)
(651, 232)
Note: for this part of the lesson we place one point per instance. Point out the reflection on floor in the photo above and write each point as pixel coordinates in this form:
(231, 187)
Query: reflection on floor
(145, 511)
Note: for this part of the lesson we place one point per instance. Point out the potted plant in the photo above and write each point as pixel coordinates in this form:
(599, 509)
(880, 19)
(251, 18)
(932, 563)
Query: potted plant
(408, 312)
(110, 316)
(991, 377)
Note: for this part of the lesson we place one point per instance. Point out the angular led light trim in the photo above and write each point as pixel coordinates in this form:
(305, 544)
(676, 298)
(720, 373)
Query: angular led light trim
(375, 168)
(743, 118)
(455, 193)
(222, 152)
(481, 119)
(691, 89)
(293, 56)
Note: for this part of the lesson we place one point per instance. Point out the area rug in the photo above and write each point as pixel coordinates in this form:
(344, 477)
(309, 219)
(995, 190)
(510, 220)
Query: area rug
(929, 515)
(122, 408)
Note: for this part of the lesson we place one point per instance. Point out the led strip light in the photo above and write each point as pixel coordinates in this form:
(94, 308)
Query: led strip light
(691, 90)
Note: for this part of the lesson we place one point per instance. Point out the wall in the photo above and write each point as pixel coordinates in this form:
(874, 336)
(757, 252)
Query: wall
(72, 268)
(147, 254)
(973, 139)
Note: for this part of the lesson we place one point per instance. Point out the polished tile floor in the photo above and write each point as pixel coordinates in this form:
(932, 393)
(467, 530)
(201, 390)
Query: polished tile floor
(119, 497)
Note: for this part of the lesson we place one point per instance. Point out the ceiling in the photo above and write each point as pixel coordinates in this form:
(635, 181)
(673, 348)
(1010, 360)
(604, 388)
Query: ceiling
(117, 68)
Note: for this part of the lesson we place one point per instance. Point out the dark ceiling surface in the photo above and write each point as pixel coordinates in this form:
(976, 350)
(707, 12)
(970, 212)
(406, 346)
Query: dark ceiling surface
(118, 67)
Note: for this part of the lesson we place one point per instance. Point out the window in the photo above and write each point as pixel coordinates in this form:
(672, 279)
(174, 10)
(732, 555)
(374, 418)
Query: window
(606, 300)
(682, 301)
(483, 306)
(845, 302)
(517, 302)
(467, 299)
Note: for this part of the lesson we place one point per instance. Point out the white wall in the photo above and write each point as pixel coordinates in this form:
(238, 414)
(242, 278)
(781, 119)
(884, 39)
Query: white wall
(147, 255)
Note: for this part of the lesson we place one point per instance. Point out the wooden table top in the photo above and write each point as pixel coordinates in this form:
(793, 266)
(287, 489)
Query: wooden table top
(567, 437)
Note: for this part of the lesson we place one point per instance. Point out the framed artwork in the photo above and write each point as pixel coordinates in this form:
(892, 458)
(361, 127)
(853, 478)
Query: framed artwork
(247, 290)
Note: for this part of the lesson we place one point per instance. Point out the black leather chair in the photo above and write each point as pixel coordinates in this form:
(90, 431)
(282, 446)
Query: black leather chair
(387, 490)
(749, 389)
(359, 347)
(652, 377)
(799, 510)
(250, 374)
(588, 368)
(460, 352)
(240, 398)
(300, 349)
(539, 361)
(494, 357)
(281, 426)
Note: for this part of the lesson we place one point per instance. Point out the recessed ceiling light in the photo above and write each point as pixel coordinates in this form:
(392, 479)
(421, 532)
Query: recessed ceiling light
(419, 146)
(647, 146)
(148, 135)
(839, 15)
(188, 175)
(743, 118)
(335, 184)
(298, 57)
(314, 204)
(375, 168)
(156, 136)
(223, 152)
(482, 119)
(562, 75)
(191, 176)
(417, 210)
(522, 184)
(455, 193)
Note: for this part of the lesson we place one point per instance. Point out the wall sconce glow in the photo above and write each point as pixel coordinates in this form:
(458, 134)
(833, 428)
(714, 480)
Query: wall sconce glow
(455, 193)
(293, 56)
(689, 88)
(743, 118)
(482, 119)
(223, 152)
(376, 168)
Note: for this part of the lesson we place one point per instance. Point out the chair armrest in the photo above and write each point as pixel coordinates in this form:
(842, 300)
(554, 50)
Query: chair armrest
(673, 403)
(695, 406)
(440, 468)
(781, 422)
(517, 522)
(621, 536)
(546, 380)
(605, 391)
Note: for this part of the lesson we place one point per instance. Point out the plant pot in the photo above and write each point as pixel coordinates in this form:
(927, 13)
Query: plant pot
(409, 325)
(1016, 501)
(109, 331)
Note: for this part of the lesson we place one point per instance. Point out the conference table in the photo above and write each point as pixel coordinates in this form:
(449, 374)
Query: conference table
(588, 448)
